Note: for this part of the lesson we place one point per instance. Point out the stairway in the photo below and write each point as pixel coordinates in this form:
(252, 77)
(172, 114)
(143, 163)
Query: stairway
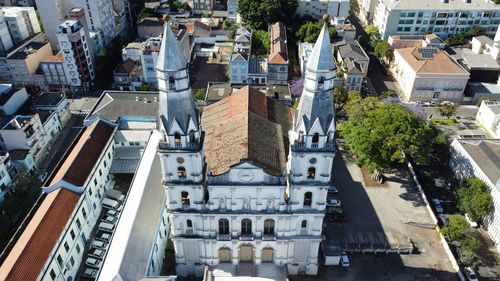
(246, 269)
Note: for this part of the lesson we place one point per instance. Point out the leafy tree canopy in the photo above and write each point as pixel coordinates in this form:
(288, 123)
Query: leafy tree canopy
(377, 132)
(382, 49)
(199, 94)
(259, 13)
(260, 43)
(354, 6)
(455, 228)
(447, 109)
(309, 31)
(474, 198)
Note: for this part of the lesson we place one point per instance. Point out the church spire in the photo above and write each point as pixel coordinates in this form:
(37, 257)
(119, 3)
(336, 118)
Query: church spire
(170, 58)
(321, 58)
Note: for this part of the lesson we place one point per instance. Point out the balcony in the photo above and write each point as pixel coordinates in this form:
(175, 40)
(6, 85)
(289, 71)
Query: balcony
(246, 237)
(224, 237)
(269, 237)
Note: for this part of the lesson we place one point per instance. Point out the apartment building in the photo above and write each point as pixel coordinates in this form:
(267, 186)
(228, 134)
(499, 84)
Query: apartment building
(408, 41)
(442, 17)
(353, 62)
(232, 11)
(203, 6)
(53, 70)
(239, 63)
(51, 247)
(277, 61)
(22, 22)
(7, 174)
(53, 102)
(23, 132)
(488, 116)
(317, 8)
(6, 42)
(11, 99)
(429, 74)
(366, 10)
(75, 49)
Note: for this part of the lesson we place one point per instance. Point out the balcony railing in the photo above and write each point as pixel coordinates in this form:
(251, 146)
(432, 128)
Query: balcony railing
(224, 237)
(246, 237)
(269, 237)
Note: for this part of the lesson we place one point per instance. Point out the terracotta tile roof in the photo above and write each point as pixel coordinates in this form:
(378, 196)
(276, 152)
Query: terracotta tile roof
(57, 58)
(278, 52)
(126, 67)
(28, 256)
(429, 60)
(79, 163)
(246, 126)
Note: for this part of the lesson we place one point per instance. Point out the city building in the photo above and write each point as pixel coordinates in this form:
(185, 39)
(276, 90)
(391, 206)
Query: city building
(6, 42)
(149, 27)
(366, 10)
(240, 58)
(488, 116)
(53, 102)
(353, 62)
(475, 90)
(441, 17)
(8, 173)
(77, 60)
(11, 99)
(100, 18)
(232, 11)
(24, 62)
(53, 70)
(305, 50)
(127, 76)
(409, 41)
(479, 158)
(22, 22)
(23, 132)
(277, 61)
(51, 125)
(52, 245)
(23, 160)
(429, 74)
(203, 6)
(317, 8)
(52, 13)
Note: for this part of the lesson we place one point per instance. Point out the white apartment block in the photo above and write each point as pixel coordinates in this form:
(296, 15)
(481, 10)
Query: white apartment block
(441, 17)
(6, 42)
(367, 9)
(429, 74)
(54, 102)
(52, 13)
(203, 6)
(488, 116)
(52, 245)
(24, 132)
(232, 11)
(11, 99)
(77, 57)
(51, 125)
(478, 158)
(317, 8)
(22, 22)
(7, 174)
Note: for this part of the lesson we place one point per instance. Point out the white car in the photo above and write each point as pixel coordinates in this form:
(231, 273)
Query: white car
(471, 275)
(103, 237)
(437, 205)
(96, 253)
(99, 244)
(93, 262)
(344, 260)
(109, 219)
(332, 202)
(470, 221)
(332, 189)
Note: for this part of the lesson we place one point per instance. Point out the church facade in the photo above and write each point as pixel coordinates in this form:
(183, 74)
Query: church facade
(247, 181)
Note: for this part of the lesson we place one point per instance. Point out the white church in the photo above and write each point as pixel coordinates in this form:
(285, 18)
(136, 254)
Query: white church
(246, 182)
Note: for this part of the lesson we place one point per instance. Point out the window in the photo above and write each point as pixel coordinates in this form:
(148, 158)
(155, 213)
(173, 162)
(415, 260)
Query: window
(181, 172)
(185, 198)
(77, 248)
(72, 233)
(79, 224)
(177, 138)
(171, 83)
(269, 227)
(246, 227)
(301, 137)
(95, 182)
(303, 224)
(189, 223)
(321, 81)
(72, 261)
(223, 227)
(315, 138)
(191, 137)
(307, 199)
(59, 260)
(66, 246)
(52, 274)
(84, 213)
(311, 173)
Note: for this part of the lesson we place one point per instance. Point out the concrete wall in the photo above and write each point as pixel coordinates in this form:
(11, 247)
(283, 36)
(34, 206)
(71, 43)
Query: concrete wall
(15, 102)
(489, 119)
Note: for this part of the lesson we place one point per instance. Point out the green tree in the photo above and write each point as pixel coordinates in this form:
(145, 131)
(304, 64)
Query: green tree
(178, 5)
(309, 31)
(387, 94)
(474, 198)
(145, 87)
(382, 49)
(455, 228)
(354, 6)
(373, 34)
(378, 132)
(340, 96)
(470, 245)
(475, 31)
(447, 109)
(455, 40)
(259, 13)
(199, 94)
(231, 27)
(260, 43)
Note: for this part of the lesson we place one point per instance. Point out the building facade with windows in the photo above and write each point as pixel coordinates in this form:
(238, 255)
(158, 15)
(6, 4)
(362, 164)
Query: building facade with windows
(24, 132)
(317, 8)
(443, 18)
(22, 22)
(251, 186)
(52, 245)
(7, 174)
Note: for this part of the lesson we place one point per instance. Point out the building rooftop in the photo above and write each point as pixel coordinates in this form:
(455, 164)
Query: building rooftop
(218, 91)
(241, 127)
(257, 66)
(430, 60)
(494, 106)
(19, 154)
(114, 104)
(471, 60)
(129, 252)
(34, 42)
(49, 98)
(78, 165)
(439, 5)
(57, 58)
(486, 154)
(126, 67)
(278, 52)
(6, 94)
(485, 88)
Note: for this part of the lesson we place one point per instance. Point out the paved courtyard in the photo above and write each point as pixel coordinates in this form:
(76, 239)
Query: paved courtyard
(394, 212)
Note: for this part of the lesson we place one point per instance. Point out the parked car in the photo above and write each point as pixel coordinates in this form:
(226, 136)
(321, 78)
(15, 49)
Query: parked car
(470, 274)
(93, 262)
(42, 177)
(106, 227)
(332, 202)
(90, 273)
(96, 253)
(99, 244)
(111, 204)
(344, 260)
(333, 210)
(437, 205)
(113, 213)
(103, 236)
(470, 221)
(332, 189)
(109, 219)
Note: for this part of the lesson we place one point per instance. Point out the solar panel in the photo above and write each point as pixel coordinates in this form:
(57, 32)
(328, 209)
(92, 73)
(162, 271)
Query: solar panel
(427, 52)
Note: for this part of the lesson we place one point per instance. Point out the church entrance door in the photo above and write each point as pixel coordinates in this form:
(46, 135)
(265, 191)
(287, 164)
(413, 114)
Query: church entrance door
(224, 255)
(246, 253)
(267, 255)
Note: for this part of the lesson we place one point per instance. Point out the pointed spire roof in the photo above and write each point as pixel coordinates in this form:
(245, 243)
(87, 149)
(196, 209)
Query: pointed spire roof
(321, 58)
(171, 57)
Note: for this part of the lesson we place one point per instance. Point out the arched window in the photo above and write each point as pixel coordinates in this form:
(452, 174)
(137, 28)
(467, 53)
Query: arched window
(308, 199)
(171, 83)
(303, 224)
(315, 138)
(311, 173)
(331, 136)
(321, 82)
(223, 227)
(177, 138)
(181, 172)
(301, 137)
(185, 198)
(191, 136)
(189, 224)
(269, 227)
(246, 227)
